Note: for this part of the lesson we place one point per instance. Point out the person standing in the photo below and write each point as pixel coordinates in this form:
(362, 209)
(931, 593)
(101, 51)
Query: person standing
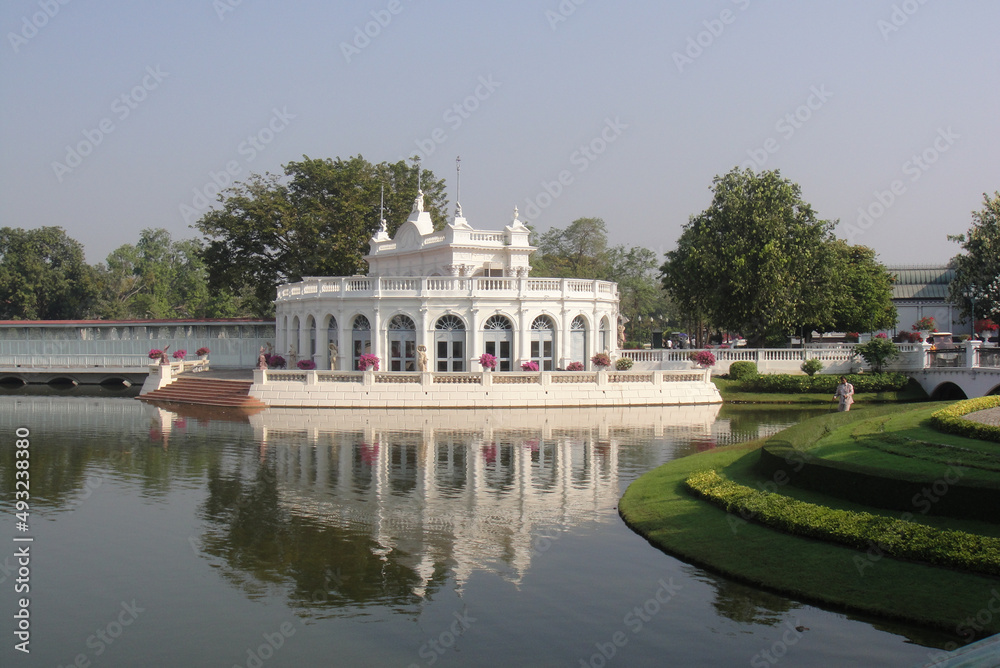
(845, 394)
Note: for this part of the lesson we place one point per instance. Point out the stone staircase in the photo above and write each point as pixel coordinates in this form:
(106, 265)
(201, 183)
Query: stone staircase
(207, 392)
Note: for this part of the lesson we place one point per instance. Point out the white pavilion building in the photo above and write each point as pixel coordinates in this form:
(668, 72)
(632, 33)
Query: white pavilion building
(437, 300)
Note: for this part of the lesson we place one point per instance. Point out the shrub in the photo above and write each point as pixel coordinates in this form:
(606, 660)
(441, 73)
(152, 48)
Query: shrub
(878, 352)
(202, 351)
(623, 363)
(574, 366)
(703, 358)
(306, 365)
(811, 366)
(275, 361)
(488, 361)
(155, 353)
(368, 361)
(860, 530)
(180, 354)
(742, 370)
(925, 324)
(951, 421)
(823, 384)
(601, 360)
(529, 366)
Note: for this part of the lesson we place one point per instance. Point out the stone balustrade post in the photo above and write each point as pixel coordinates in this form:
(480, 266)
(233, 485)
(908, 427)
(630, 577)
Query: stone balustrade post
(972, 354)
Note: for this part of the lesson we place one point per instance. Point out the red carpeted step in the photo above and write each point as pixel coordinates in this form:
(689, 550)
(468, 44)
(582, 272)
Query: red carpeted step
(206, 391)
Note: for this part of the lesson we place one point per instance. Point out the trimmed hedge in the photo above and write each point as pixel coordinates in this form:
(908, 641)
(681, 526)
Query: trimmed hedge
(862, 531)
(742, 370)
(826, 383)
(950, 420)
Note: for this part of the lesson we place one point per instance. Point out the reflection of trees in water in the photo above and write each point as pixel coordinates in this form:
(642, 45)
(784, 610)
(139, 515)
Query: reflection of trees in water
(745, 421)
(265, 546)
(746, 605)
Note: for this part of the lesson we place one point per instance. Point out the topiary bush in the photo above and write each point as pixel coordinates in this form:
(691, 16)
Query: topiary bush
(623, 363)
(742, 370)
(811, 366)
(951, 421)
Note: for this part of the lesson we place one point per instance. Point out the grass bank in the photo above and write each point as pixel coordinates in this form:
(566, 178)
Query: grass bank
(658, 507)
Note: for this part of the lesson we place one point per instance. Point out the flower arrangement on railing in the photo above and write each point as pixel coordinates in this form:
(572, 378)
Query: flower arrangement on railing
(909, 337)
(529, 366)
(881, 335)
(368, 361)
(601, 360)
(179, 355)
(574, 366)
(623, 363)
(306, 365)
(202, 351)
(852, 337)
(155, 354)
(703, 358)
(986, 325)
(488, 361)
(275, 361)
(925, 324)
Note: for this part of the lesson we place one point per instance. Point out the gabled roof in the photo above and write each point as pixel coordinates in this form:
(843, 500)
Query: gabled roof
(920, 282)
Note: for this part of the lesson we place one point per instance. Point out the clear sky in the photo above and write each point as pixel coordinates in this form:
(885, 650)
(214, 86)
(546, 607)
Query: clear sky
(118, 116)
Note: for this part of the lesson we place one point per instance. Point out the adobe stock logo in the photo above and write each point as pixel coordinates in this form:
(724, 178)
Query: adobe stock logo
(122, 107)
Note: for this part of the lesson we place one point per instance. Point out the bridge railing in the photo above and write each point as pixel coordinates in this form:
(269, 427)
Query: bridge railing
(74, 361)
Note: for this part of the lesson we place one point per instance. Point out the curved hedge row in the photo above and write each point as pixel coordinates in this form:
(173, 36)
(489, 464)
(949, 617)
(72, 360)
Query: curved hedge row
(863, 531)
(950, 420)
(826, 383)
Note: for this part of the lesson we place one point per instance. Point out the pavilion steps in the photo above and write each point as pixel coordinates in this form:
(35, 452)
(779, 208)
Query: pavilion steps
(206, 392)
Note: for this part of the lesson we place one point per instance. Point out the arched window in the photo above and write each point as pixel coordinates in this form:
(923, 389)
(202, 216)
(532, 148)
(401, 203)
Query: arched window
(604, 343)
(498, 340)
(402, 344)
(578, 340)
(362, 336)
(449, 343)
(542, 342)
(311, 327)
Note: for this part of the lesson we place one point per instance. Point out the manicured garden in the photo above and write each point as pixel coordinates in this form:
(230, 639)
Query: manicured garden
(873, 510)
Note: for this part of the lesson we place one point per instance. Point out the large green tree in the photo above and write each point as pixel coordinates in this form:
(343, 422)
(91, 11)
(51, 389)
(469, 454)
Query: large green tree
(43, 275)
(862, 293)
(316, 220)
(754, 261)
(979, 265)
(160, 278)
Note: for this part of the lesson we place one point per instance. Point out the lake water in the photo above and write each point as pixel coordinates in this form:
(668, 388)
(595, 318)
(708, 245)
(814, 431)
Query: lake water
(381, 538)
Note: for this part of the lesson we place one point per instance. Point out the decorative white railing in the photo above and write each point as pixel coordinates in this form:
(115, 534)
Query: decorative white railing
(365, 286)
(835, 359)
(74, 361)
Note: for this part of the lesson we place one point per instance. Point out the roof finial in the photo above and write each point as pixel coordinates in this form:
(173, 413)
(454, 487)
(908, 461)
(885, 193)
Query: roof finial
(381, 211)
(416, 163)
(458, 188)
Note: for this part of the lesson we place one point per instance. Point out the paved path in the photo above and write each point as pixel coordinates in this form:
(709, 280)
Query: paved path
(988, 416)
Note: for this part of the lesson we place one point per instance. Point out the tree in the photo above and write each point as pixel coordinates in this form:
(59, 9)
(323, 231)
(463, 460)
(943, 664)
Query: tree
(753, 262)
(160, 278)
(316, 221)
(581, 251)
(861, 291)
(980, 265)
(43, 275)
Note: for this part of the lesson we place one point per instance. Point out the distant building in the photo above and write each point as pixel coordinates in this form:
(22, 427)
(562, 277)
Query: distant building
(440, 299)
(922, 291)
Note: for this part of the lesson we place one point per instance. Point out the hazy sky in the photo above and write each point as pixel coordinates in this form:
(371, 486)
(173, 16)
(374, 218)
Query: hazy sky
(118, 115)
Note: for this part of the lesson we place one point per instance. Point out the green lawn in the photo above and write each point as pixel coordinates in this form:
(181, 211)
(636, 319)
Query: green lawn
(658, 507)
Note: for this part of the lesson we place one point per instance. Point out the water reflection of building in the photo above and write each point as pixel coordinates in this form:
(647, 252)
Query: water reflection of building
(460, 490)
